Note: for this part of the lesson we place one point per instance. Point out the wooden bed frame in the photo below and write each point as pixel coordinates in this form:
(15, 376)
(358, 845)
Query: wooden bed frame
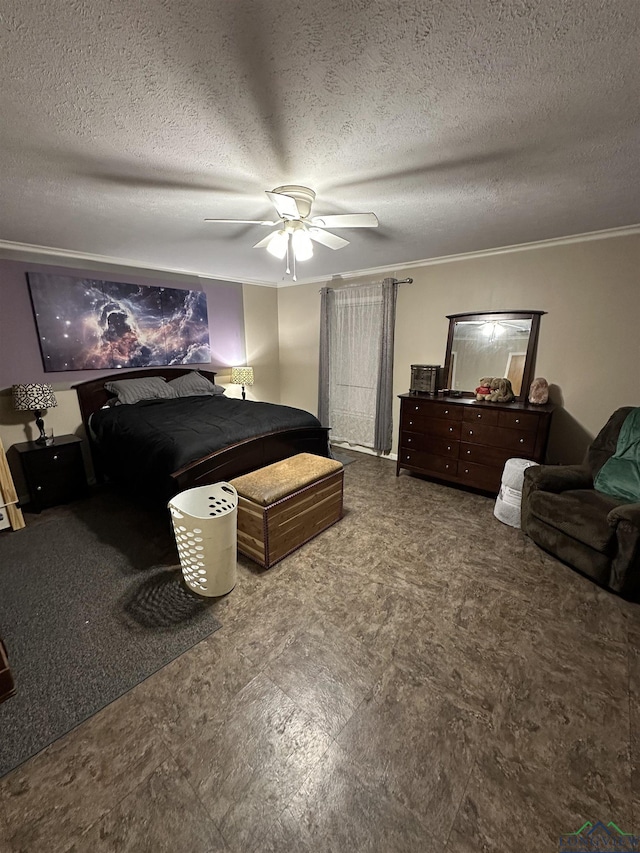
(240, 458)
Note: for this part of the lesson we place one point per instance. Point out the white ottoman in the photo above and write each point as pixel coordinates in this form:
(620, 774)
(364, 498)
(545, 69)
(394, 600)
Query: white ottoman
(509, 500)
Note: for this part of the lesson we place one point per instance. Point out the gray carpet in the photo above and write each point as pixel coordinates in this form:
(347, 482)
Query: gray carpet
(91, 603)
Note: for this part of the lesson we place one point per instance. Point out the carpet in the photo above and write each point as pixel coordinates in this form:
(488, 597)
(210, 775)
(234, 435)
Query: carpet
(91, 603)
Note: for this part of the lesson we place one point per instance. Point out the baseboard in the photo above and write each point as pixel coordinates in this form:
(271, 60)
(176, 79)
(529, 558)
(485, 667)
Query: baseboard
(357, 448)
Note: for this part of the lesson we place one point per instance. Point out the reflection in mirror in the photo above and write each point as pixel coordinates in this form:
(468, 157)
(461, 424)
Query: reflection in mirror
(492, 344)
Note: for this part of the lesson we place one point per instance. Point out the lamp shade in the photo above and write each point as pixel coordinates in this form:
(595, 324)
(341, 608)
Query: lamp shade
(242, 375)
(33, 397)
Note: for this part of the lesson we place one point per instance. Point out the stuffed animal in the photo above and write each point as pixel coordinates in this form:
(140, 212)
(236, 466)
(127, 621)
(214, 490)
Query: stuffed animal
(539, 391)
(501, 391)
(484, 388)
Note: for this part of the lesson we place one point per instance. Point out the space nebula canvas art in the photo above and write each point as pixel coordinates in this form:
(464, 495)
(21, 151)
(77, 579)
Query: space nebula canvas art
(90, 324)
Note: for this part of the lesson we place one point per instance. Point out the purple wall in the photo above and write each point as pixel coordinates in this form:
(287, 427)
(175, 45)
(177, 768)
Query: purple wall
(20, 359)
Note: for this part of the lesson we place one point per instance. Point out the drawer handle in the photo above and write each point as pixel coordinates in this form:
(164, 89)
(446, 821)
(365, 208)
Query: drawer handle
(55, 457)
(408, 441)
(466, 470)
(522, 441)
(446, 411)
(417, 408)
(517, 420)
(447, 465)
(479, 416)
(468, 453)
(38, 488)
(410, 423)
(470, 432)
(448, 447)
(408, 457)
(450, 429)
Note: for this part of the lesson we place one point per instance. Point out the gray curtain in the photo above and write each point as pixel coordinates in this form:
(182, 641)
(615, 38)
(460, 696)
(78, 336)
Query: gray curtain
(357, 329)
(384, 420)
(323, 378)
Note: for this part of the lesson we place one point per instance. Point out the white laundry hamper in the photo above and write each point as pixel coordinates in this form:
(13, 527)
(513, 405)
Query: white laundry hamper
(205, 527)
(509, 500)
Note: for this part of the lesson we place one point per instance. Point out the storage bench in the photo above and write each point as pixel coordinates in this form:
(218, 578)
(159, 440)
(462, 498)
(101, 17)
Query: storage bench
(284, 505)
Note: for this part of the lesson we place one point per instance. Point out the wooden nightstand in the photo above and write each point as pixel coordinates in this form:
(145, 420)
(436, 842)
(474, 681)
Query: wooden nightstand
(54, 473)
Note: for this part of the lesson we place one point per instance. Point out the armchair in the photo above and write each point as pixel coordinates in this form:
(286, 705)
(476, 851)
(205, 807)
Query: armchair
(595, 533)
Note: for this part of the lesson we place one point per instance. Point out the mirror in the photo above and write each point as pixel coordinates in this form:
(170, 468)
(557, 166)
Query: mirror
(493, 343)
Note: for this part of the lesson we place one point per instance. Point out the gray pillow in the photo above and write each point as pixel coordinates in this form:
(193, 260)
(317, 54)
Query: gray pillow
(133, 390)
(194, 384)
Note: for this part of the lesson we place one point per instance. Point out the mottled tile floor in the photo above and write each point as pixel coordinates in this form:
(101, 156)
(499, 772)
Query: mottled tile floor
(420, 677)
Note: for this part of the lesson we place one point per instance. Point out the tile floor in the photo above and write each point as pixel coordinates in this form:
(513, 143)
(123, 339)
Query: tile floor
(418, 678)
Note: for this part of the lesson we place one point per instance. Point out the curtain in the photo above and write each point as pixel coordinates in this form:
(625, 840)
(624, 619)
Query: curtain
(356, 363)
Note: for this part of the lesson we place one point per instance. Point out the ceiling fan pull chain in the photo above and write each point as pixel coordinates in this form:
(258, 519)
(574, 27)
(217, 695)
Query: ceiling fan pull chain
(294, 267)
(288, 269)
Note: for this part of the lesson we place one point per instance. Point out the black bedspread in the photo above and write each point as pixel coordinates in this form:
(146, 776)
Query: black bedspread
(147, 441)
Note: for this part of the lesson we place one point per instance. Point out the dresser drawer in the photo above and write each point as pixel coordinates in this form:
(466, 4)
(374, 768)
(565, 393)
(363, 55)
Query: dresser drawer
(518, 420)
(433, 427)
(484, 454)
(431, 409)
(429, 462)
(429, 444)
(479, 476)
(473, 415)
(510, 439)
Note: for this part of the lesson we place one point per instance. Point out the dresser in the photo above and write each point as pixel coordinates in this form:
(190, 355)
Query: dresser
(466, 442)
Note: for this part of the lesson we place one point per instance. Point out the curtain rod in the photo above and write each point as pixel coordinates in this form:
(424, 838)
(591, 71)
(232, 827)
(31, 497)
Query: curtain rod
(395, 281)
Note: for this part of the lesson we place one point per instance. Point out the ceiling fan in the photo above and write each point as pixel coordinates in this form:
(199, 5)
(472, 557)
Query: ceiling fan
(298, 229)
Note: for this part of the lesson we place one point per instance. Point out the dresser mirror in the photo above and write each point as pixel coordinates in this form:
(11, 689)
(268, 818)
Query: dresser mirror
(493, 343)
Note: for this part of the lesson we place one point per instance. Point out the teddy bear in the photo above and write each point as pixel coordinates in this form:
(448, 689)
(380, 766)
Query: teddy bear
(501, 391)
(539, 391)
(484, 388)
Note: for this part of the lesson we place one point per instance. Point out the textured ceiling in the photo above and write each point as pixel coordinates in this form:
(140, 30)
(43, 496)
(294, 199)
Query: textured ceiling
(463, 124)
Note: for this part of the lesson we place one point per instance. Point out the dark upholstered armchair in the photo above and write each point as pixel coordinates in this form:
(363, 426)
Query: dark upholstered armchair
(593, 532)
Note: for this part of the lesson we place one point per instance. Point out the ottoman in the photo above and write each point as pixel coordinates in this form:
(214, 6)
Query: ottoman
(284, 505)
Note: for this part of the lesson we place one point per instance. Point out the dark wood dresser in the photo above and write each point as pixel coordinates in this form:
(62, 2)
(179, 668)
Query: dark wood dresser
(466, 442)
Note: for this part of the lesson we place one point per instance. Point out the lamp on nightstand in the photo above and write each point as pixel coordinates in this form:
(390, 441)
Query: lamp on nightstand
(34, 397)
(242, 376)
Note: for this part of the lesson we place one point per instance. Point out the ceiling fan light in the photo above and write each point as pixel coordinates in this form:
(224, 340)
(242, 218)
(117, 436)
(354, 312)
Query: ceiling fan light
(302, 245)
(277, 245)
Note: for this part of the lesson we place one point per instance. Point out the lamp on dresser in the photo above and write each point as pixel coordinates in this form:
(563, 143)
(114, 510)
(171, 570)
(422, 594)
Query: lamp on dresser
(242, 376)
(35, 397)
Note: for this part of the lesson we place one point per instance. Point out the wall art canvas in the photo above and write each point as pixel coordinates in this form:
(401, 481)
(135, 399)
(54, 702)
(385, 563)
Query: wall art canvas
(91, 324)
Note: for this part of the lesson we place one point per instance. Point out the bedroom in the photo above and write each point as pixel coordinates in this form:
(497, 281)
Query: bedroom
(588, 351)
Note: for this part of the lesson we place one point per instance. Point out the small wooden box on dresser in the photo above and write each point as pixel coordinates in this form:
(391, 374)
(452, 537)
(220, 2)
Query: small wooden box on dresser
(54, 473)
(466, 442)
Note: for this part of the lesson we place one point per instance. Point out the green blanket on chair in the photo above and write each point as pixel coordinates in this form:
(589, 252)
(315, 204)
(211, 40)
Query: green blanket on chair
(620, 475)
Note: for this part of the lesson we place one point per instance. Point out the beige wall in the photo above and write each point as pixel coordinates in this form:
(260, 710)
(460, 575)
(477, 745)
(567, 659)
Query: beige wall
(261, 338)
(589, 347)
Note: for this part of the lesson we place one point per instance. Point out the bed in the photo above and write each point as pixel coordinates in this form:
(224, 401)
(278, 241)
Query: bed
(160, 447)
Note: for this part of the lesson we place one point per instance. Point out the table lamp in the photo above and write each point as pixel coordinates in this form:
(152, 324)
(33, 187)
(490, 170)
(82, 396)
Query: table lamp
(242, 376)
(34, 397)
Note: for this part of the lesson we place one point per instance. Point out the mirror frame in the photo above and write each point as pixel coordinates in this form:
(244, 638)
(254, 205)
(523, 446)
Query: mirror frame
(530, 358)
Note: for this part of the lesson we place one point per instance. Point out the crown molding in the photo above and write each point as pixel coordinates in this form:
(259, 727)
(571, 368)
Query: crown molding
(624, 231)
(43, 252)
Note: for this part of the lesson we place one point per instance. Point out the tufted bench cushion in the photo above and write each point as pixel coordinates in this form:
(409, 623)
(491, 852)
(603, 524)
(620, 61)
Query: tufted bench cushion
(283, 505)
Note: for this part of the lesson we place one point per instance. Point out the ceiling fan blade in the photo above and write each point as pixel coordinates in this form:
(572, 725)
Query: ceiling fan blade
(346, 220)
(262, 244)
(327, 239)
(285, 205)
(245, 221)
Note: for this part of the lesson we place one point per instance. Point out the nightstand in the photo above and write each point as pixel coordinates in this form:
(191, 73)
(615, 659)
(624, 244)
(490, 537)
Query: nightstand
(54, 473)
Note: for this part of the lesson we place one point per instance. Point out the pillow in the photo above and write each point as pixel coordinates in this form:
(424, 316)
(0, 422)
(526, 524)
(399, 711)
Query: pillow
(133, 390)
(194, 384)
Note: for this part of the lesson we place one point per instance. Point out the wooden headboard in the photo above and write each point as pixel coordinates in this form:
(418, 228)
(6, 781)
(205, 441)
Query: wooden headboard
(93, 396)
